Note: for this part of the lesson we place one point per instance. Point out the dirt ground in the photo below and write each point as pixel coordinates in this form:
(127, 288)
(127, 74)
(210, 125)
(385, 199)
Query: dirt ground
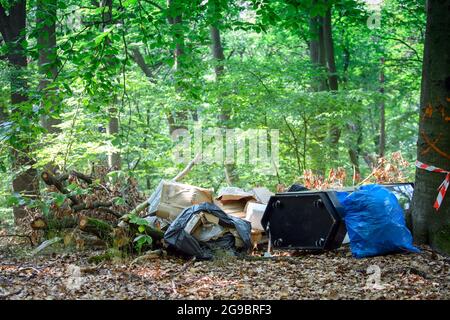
(330, 275)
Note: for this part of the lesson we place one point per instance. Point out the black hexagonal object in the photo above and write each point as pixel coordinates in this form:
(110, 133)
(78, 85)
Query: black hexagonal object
(309, 220)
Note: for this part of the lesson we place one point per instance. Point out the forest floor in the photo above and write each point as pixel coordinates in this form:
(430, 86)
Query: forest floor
(329, 275)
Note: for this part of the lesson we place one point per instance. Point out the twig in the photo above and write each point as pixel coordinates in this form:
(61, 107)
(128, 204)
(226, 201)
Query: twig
(174, 288)
(82, 176)
(188, 168)
(93, 205)
(370, 175)
(110, 211)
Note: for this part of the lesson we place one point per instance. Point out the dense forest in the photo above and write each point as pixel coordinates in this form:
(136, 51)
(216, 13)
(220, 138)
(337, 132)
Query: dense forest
(107, 82)
(336, 92)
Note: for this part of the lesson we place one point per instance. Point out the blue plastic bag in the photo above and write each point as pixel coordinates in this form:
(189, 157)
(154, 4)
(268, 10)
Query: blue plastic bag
(375, 222)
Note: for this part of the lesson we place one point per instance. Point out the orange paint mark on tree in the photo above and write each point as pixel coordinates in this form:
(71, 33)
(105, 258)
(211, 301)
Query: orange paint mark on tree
(428, 149)
(428, 111)
(433, 146)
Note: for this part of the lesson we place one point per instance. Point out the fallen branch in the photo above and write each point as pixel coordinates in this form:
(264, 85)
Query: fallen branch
(82, 176)
(45, 244)
(188, 168)
(140, 207)
(41, 223)
(151, 255)
(96, 205)
(101, 229)
(51, 180)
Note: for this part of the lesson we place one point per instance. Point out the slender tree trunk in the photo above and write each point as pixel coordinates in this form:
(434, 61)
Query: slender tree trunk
(177, 119)
(382, 141)
(314, 41)
(318, 61)
(46, 24)
(322, 58)
(354, 150)
(114, 158)
(346, 66)
(13, 28)
(217, 52)
(329, 49)
(316, 53)
(433, 146)
(335, 131)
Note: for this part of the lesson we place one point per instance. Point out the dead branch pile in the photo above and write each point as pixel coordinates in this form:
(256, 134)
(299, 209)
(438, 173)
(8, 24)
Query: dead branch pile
(88, 205)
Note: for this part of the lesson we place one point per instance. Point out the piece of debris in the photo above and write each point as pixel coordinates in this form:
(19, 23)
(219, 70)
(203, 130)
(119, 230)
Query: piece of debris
(375, 222)
(46, 244)
(262, 194)
(254, 213)
(232, 200)
(203, 228)
(171, 198)
(307, 220)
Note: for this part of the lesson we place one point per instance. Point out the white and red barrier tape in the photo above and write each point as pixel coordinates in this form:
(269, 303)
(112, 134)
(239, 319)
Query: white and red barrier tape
(444, 185)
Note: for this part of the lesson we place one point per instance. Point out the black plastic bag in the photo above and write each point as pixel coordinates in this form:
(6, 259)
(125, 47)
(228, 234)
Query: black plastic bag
(177, 237)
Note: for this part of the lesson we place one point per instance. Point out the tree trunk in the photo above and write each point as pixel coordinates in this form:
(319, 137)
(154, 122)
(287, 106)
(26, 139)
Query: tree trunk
(382, 141)
(329, 49)
(433, 146)
(354, 150)
(328, 45)
(114, 159)
(317, 53)
(177, 119)
(318, 61)
(217, 52)
(13, 29)
(46, 23)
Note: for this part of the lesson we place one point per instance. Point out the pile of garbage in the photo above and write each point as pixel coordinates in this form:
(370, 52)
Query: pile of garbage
(193, 221)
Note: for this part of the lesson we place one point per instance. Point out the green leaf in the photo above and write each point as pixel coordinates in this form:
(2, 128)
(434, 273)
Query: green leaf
(59, 199)
(138, 220)
(142, 240)
(119, 201)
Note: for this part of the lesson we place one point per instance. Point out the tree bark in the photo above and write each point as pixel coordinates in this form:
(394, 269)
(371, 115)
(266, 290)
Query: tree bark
(328, 45)
(177, 119)
(382, 141)
(100, 228)
(433, 146)
(218, 55)
(114, 159)
(317, 53)
(354, 150)
(139, 59)
(13, 28)
(46, 11)
(329, 49)
(175, 19)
